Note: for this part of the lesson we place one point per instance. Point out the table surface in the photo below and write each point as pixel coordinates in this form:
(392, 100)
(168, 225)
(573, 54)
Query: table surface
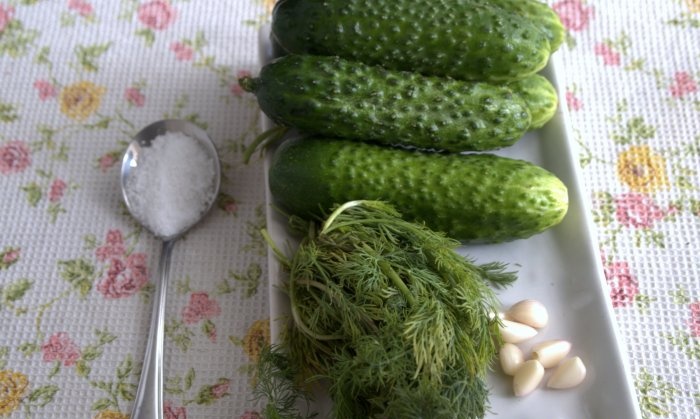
(81, 77)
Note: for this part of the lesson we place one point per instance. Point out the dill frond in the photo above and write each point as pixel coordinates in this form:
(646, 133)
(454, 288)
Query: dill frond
(399, 323)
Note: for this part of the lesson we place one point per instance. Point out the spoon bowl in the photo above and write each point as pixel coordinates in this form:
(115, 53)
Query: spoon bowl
(134, 155)
(151, 191)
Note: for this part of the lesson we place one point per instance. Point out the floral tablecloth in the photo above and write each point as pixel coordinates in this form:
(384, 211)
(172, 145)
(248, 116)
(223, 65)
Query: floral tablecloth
(80, 77)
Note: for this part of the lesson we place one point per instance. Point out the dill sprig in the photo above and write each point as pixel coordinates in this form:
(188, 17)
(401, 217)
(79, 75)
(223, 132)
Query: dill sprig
(388, 311)
(276, 384)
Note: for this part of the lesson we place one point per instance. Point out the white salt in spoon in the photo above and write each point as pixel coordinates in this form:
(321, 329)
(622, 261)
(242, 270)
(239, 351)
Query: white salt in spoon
(170, 179)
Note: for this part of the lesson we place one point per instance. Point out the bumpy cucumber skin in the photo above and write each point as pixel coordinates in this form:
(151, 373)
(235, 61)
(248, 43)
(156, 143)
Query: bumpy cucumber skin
(543, 16)
(455, 38)
(470, 197)
(540, 96)
(334, 97)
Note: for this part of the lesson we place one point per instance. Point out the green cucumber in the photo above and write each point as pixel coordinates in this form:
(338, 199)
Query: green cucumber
(541, 14)
(470, 197)
(541, 98)
(331, 96)
(455, 38)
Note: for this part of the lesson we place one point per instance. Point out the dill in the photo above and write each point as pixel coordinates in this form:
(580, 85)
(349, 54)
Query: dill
(387, 311)
(276, 375)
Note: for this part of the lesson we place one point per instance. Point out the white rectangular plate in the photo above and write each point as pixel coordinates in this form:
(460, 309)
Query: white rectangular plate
(560, 267)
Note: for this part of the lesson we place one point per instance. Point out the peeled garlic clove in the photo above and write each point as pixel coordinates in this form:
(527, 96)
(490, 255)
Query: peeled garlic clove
(570, 373)
(551, 352)
(529, 312)
(514, 332)
(528, 377)
(511, 358)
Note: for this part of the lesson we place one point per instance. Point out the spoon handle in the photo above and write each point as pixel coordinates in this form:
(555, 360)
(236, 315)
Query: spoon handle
(149, 396)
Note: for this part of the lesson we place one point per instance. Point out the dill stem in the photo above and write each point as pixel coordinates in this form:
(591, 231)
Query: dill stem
(276, 250)
(391, 273)
(331, 218)
(262, 140)
(297, 317)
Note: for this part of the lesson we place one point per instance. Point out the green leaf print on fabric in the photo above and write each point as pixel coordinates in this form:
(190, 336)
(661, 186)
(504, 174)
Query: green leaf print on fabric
(93, 351)
(123, 389)
(177, 385)
(685, 342)
(15, 39)
(14, 291)
(40, 397)
(179, 334)
(79, 273)
(248, 281)
(8, 113)
(689, 17)
(210, 393)
(656, 396)
(87, 55)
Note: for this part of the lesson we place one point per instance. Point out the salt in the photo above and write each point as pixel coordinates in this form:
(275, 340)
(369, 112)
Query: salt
(173, 184)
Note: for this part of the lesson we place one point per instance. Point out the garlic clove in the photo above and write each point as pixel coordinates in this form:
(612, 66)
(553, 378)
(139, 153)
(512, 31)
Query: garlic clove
(514, 332)
(551, 352)
(528, 377)
(511, 358)
(530, 312)
(570, 373)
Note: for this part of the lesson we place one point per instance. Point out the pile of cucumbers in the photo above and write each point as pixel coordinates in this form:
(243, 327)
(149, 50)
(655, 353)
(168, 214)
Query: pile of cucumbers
(401, 100)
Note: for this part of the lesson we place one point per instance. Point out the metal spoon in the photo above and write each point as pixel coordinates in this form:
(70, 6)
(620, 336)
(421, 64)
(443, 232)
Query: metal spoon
(149, 396)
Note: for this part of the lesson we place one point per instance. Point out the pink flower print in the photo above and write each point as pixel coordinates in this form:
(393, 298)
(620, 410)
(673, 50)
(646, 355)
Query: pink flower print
(236, 88)
(46, 89)
(683, 84)
(58, 187)
(250, 415)
(10, 256)
(14, 157)
(156, 14)
(610, 57)
(134, 96)
(200, 307)
(124, 278)
(6, 15)
(573, 102)
(231, 207)
(573, 14)
(694, 322)
(220, 389)
(83, 8)
(60, 348)
(638, 211)
(172, 412)
(623, 286)
(106, 161)
(182, 51)
(113, 247)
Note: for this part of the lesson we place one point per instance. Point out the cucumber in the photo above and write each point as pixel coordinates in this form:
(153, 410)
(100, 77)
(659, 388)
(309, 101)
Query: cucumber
(331, 96)
(455, 38)
(470, 197)
(540, 96)
(543, 16)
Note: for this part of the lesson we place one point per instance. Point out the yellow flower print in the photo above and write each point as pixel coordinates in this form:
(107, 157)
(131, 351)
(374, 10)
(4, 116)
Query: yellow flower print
(111, 414)
(13, 386)
(257, 337)
(80, 100)
(693, 5)
(642, 169)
